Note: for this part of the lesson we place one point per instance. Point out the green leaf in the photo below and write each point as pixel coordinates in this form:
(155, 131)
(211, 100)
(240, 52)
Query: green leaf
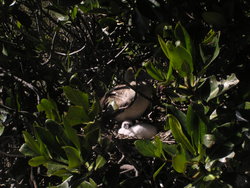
(1, 128)
(179, 162)
(163, 46)
(50, 109)
(77, 115)
(209, 49)
(77, 97)
(87, 184)
(182, 35)
(100, 162)
(219, 87)
(50, 141)
(180, 59)
(57, 169)
(178, 114)
(178, 134)
(158, 171)
(196, 128)
(171, 150)
(27, 151)
(154, 72)
(36, 161)
(74, 156)
(74, 12)
(31, 143)
(147, 148)
(58, 131)
(246, 106)
(71, 134)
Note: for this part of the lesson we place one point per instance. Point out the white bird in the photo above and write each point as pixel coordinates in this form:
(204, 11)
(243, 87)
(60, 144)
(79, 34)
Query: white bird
(139, 130)
(127, 101)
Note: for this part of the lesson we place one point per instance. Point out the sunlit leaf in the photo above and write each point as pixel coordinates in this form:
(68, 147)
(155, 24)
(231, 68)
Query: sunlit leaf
(27, 151)
(30, 141)
(146, 148)
(209, 49)
(178, 134)
(182, 35)
(50, 109)
(36, 161)
(219, 87)
(100, 162)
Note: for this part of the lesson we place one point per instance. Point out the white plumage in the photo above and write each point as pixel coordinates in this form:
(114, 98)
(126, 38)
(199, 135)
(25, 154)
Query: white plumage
(139, 130)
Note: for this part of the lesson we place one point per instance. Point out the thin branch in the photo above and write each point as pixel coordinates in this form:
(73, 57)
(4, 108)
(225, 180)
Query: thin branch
(118, 54)
(72, 53)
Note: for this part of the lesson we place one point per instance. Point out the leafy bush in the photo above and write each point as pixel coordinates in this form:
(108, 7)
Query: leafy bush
(59, 57)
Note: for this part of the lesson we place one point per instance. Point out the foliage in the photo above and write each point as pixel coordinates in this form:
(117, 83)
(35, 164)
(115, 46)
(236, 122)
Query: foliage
(58, 58)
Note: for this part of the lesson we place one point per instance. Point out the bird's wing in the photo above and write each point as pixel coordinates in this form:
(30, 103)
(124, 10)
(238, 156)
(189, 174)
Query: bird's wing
(121, 97)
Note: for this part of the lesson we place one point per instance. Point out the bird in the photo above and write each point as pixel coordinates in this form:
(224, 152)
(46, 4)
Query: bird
(139, 130)
(127, 101)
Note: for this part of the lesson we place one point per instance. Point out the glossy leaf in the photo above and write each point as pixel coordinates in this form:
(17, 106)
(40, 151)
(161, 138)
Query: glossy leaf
(209, 49)
(50, 109)
(182, 35)
(178, 134)
(27, 151)
(55, 168)
(219, 87)
(100, 162)
(147, 148)
(31, 143)
(77, 97)
(73, 155)
(36, 161)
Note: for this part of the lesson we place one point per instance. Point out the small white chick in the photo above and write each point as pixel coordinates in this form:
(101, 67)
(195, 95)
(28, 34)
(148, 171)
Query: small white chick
(139, 130)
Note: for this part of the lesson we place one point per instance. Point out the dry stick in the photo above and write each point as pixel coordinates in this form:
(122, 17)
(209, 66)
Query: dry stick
(72, 53)
(51, 49)
(118, 54)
